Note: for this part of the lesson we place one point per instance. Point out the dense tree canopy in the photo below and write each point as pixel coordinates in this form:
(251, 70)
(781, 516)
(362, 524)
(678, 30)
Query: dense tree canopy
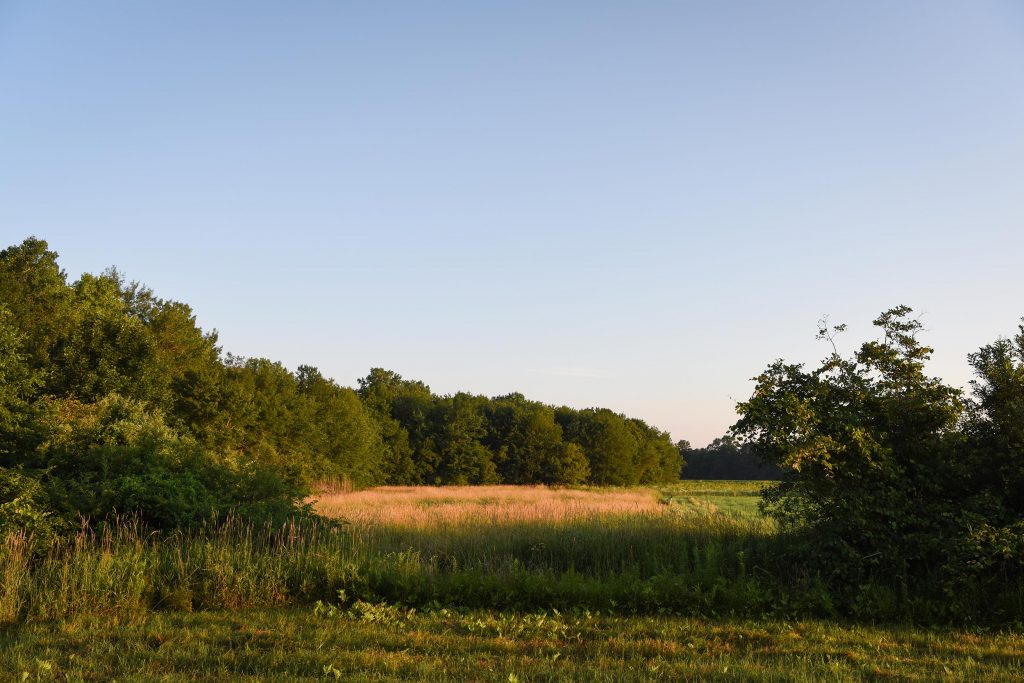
(726, 458)
(114, 401)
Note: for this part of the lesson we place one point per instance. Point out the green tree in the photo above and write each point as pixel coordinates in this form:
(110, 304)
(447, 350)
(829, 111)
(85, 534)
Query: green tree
(458, 429)
(996, 464)
(400, 408)
(657, 459)
(274, 421)
(725, 458)
(869, 441)
(528, 444)
(212, 406)
(107, 350)
(180, 345)
(35, 291)
(990, 487)
(18, 384)
(343, 435)
(607, 441)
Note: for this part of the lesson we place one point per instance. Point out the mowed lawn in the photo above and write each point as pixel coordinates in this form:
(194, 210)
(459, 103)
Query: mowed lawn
(614, 560)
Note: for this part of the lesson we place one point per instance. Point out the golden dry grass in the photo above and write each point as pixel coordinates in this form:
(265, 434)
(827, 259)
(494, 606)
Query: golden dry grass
(431, 506)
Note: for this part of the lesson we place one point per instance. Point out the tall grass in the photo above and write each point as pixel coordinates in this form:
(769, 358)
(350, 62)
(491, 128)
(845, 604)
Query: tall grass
(625, 551)
(524, 548)
(438, 507)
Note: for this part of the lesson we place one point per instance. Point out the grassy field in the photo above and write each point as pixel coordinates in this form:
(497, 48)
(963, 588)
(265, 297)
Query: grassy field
(432, 507)
(377, 644)
(636, 551)
(484, 583)
(424, 507)
(734, 499)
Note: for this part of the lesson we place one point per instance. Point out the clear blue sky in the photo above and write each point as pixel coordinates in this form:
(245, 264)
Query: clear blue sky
(635, 205)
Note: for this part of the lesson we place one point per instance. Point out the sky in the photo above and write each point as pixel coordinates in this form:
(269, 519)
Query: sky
(633, 205)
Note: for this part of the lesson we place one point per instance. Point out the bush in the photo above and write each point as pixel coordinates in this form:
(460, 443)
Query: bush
(24, 508)
(117, 456)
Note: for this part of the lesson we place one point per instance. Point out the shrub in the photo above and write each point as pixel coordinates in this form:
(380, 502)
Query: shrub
(24, 508)
(117, 456)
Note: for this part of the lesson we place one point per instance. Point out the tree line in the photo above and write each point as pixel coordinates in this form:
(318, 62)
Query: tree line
(727, 458)
(114, 401)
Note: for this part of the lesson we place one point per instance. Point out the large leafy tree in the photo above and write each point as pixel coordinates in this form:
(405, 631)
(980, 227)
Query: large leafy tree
(869, 442)
(108, 350)
(529, 446)
(657, 460)
(35, 291)
(991, 550)
(996, 465)
(457, 438)
(180, 345)
(343, 436)
(607, 441)
(400, 408)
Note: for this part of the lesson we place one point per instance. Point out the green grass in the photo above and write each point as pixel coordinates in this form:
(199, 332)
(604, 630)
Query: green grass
(706, 552)
(737, 500)
(719, 487)
(638, 563)
(290, 644)
(693, 589)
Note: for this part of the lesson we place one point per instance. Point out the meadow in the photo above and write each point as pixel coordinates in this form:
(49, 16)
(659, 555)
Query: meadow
(465, 583)
(631, 550)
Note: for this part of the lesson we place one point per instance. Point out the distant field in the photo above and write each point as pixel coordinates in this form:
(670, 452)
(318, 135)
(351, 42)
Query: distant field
(735, 499)
(720, 487)
(432, 507)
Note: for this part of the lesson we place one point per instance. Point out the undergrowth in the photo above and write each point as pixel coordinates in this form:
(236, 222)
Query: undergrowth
(686, 560)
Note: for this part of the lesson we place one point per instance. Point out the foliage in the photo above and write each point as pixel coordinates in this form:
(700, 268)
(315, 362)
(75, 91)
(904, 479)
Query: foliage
(343, 434)
(35, 290)
(384, 393)
(116, 402)
(996, 424)
(893, 482)
(18, 382)
(724, 458)
(117, 456)
(992, 472)
(609, 444)
(529, 444)
(25, 509)
(457, 427)
(469, 439)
